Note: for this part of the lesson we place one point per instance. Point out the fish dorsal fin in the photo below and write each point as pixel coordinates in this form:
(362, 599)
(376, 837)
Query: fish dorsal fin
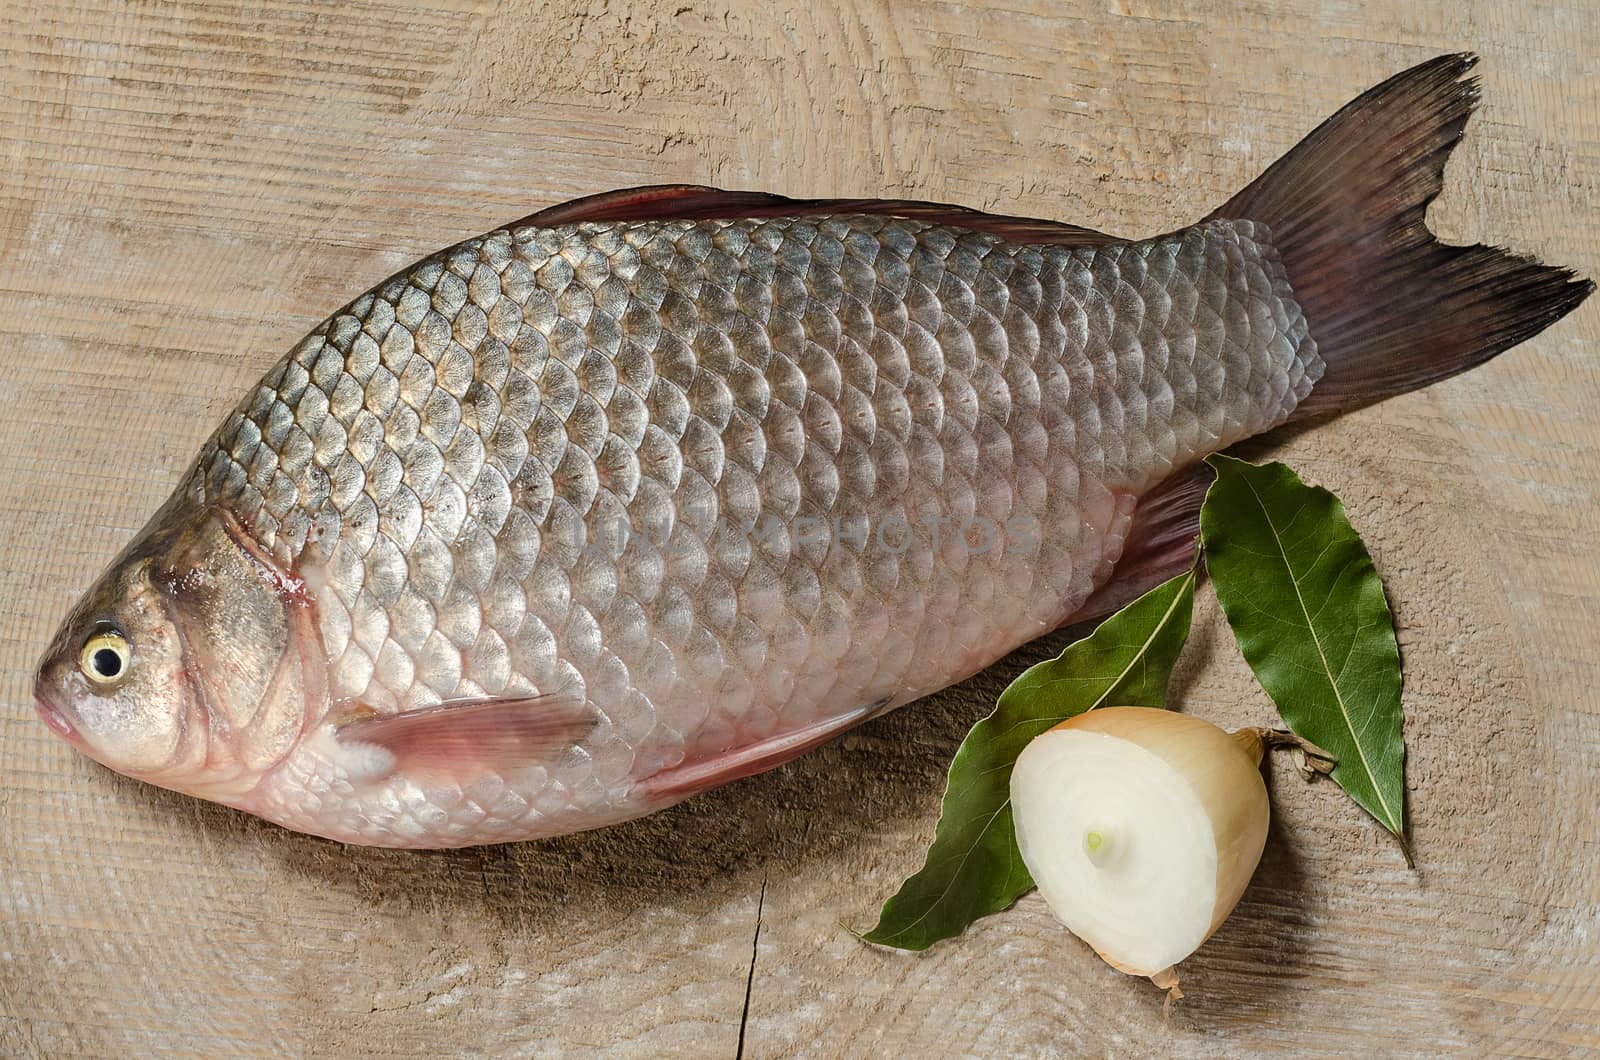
(463, 736)
(696, 202)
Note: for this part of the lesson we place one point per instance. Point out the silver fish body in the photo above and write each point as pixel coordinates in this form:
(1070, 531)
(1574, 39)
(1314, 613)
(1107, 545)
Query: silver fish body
(572, 520)
(724, 481)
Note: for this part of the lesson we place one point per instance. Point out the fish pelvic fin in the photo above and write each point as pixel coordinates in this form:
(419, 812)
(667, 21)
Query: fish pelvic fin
(706, 770)
(1391, 308)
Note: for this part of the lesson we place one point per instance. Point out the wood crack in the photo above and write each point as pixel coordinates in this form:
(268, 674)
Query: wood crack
(750, 977)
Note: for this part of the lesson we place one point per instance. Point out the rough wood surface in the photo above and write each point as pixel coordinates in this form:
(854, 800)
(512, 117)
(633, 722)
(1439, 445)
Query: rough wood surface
(185, 188)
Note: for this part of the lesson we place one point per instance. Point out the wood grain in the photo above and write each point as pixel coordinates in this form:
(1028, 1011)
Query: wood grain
(185, 188)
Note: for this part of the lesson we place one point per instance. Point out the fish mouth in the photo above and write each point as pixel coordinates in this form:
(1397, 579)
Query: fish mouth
(55, 719)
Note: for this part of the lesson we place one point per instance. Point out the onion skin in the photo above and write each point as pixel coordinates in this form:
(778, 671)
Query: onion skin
(1224, 772)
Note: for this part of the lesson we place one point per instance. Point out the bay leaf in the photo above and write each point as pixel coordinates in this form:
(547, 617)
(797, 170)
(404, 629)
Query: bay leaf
(973, 867)
(1308, 609)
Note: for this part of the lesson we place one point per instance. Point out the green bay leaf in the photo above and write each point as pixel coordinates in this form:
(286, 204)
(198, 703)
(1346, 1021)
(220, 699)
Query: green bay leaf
(1308, 609)
(973, 867)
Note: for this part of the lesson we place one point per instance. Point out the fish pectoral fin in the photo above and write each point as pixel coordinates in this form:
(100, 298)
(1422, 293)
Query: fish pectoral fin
(464, 735)
(702, 772)
(1160, 543)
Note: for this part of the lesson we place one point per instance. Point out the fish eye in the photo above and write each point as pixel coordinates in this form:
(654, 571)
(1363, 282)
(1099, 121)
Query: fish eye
(104, 659)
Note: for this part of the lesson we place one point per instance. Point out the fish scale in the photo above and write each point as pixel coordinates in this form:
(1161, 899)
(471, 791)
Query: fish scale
(571, 460)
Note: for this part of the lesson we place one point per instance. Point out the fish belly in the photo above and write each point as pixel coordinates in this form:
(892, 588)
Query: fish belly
(723, 481)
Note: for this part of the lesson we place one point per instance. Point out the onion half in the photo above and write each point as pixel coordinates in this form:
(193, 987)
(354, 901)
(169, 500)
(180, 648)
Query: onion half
(1142, 828)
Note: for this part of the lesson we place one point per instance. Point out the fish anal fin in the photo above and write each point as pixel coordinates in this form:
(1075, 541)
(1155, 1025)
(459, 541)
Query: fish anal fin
(695, 202)
(702, 772)
(1160, 543)
(465, 736)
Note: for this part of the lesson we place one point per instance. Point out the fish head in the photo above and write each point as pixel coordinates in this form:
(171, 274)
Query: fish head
(184, 665)
(113, 681)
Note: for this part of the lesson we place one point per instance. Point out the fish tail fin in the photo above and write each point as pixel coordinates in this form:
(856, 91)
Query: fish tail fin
(1391, 308)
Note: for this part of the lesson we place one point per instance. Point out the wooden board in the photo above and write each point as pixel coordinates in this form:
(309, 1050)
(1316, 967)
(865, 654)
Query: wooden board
(186, 187)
